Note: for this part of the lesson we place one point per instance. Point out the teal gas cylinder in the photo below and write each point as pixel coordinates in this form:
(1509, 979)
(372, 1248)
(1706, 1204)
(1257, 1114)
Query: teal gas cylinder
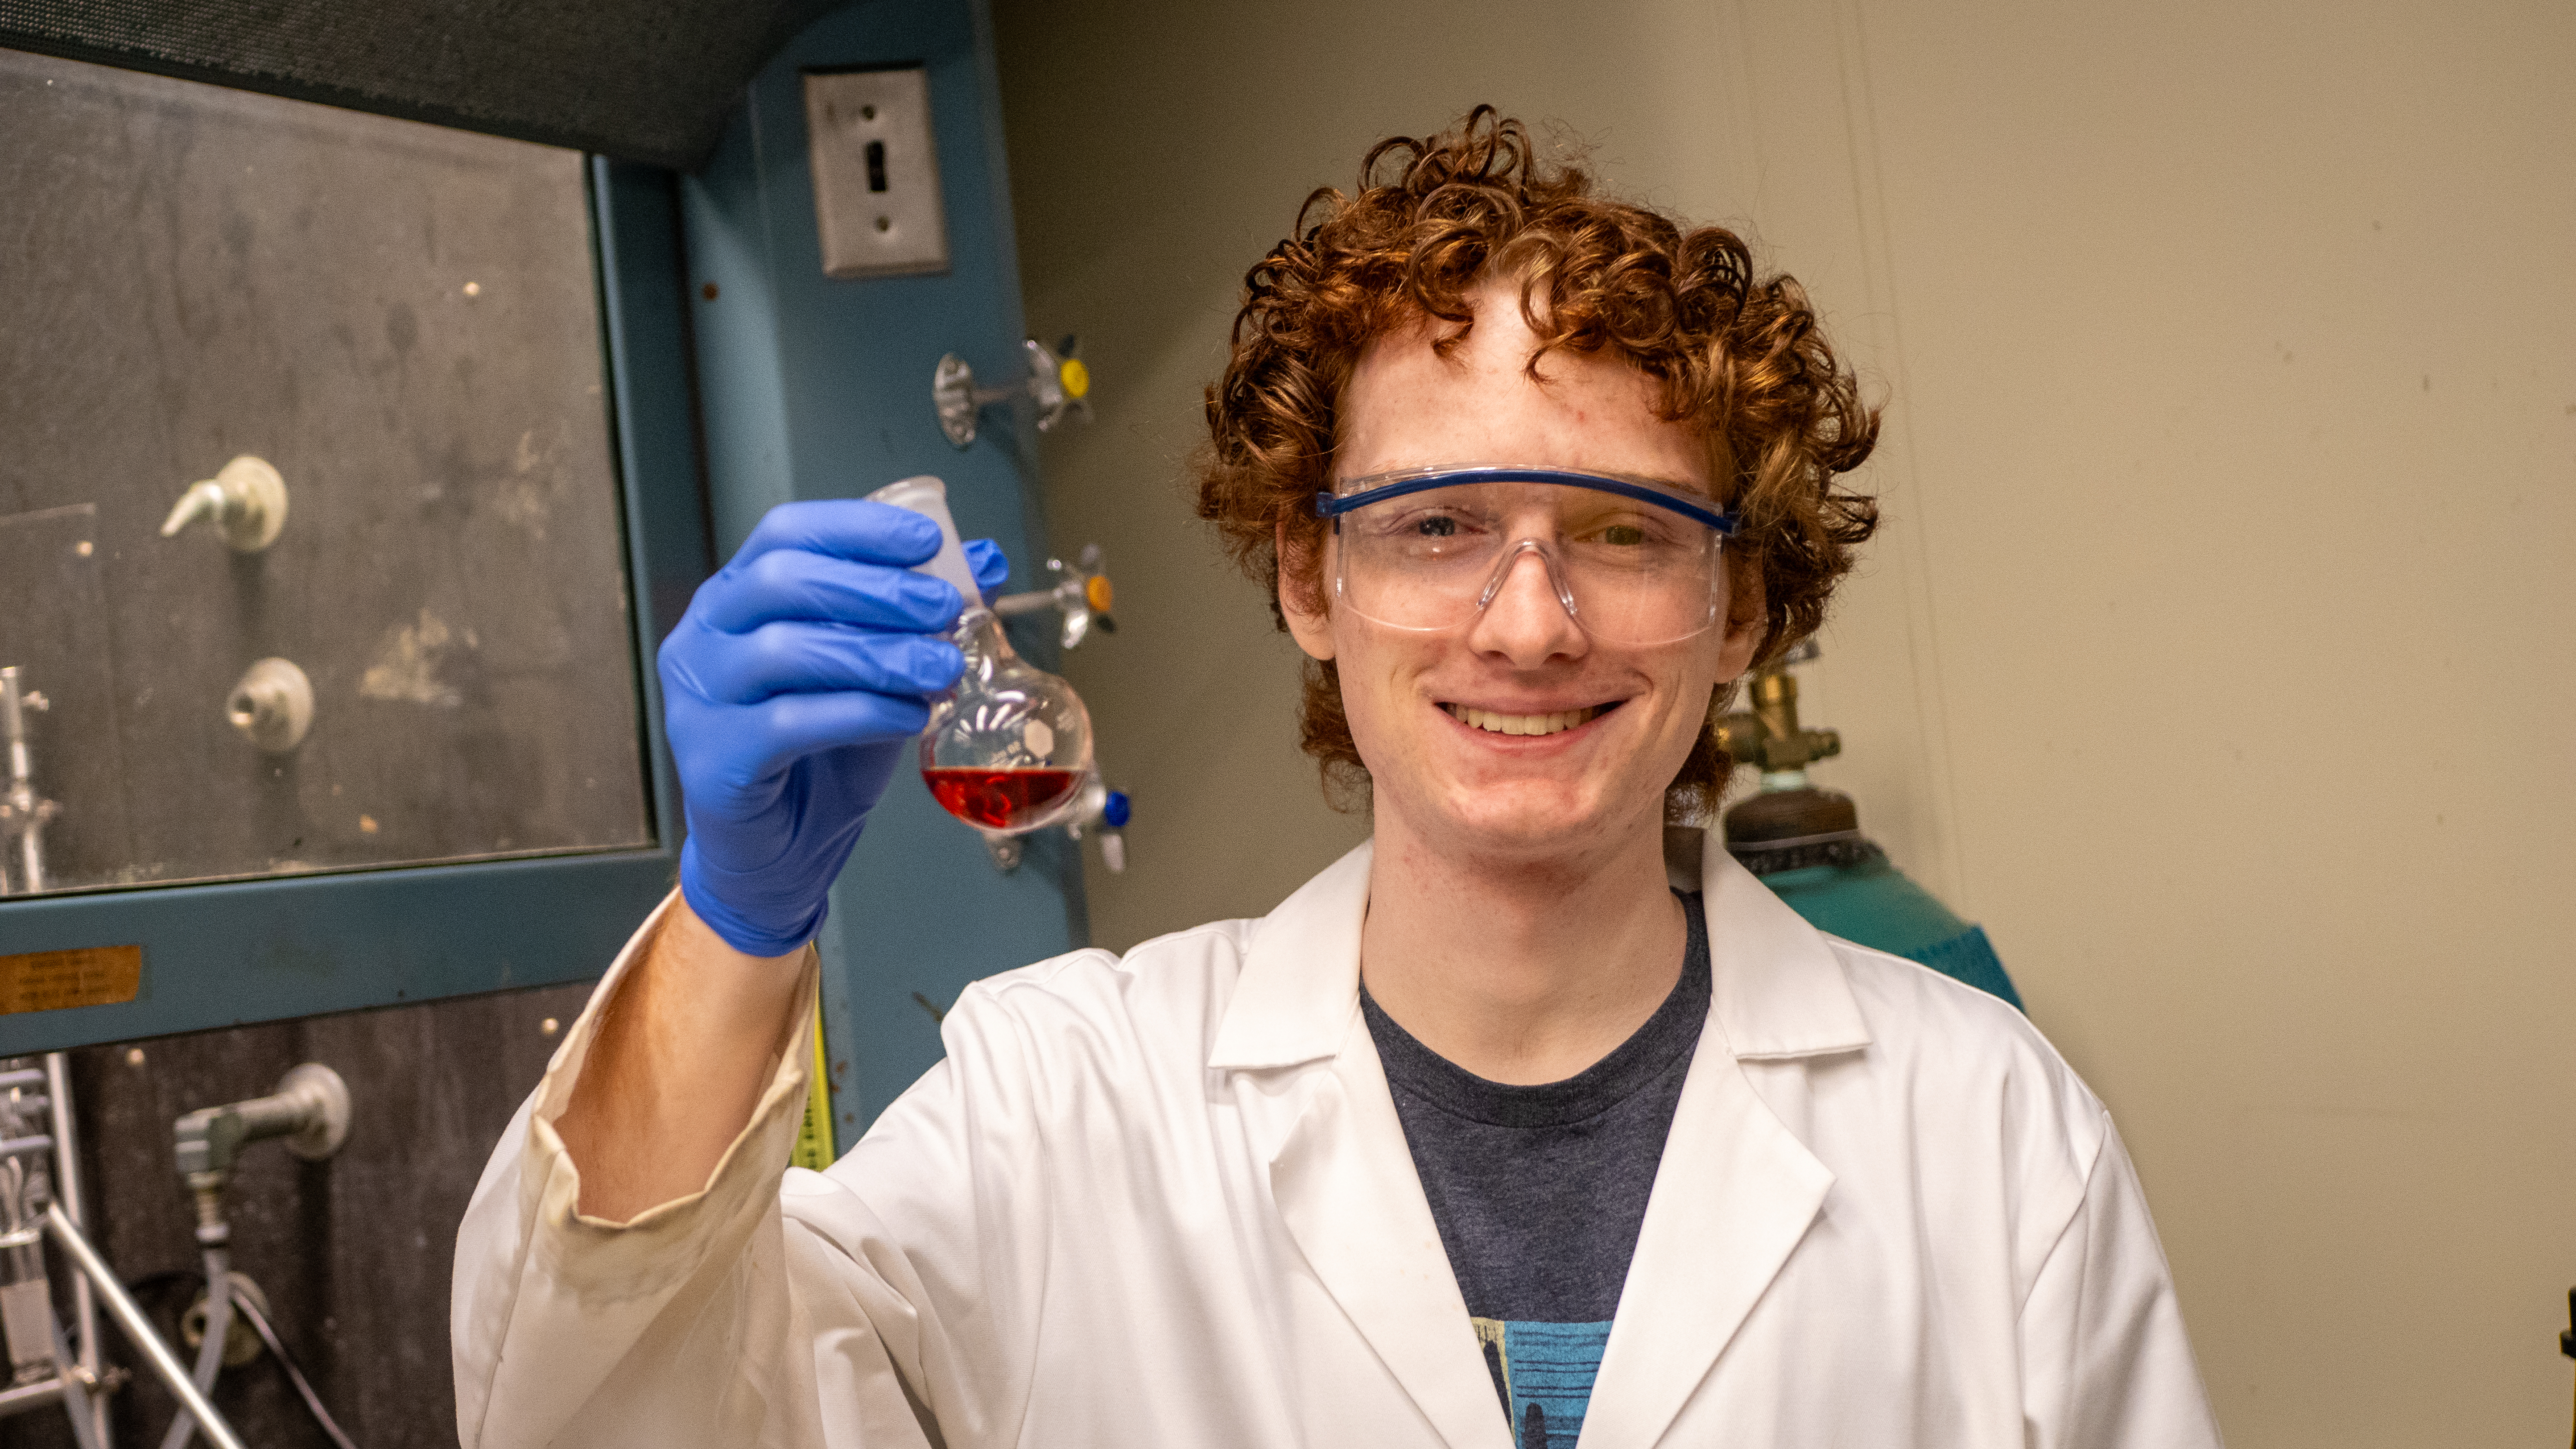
(1874, 904)
(1805, 844)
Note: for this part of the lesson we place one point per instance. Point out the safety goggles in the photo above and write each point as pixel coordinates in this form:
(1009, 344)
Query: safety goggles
(1632, 560)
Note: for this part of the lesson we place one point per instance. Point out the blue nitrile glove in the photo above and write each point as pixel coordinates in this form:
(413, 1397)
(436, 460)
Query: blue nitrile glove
(791, 689)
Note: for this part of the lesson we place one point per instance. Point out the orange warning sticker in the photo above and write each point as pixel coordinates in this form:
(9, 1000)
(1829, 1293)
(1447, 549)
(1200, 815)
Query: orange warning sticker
(84, 976)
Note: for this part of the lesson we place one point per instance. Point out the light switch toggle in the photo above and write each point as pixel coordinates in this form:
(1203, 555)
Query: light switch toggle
(246, 502)
(875, 156)
(1058, 383)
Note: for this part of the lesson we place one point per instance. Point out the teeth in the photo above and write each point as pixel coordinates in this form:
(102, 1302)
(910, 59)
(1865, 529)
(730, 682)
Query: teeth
(1519, 724)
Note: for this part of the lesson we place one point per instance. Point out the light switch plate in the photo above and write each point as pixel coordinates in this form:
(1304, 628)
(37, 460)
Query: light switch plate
(876, 173)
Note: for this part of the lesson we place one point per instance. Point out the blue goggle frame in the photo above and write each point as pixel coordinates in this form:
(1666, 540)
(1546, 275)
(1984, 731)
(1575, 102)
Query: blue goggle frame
(1378, 487)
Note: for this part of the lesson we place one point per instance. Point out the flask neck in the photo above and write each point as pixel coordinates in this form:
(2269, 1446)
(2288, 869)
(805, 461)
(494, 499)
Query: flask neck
(978, 635)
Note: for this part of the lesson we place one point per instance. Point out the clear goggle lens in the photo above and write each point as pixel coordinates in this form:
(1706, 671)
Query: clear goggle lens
(1633, 561)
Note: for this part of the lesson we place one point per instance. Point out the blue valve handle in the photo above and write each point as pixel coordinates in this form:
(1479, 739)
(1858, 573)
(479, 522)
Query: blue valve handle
(1114, 810)
(791, 690)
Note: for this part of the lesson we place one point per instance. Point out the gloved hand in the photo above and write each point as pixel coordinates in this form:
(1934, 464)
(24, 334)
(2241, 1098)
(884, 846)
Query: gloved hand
(792, 688)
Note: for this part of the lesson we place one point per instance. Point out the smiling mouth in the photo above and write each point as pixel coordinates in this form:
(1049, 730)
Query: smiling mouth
(1496, 722)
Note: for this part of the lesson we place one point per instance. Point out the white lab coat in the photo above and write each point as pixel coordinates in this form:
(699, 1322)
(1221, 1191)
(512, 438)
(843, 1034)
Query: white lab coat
(1165, 1200)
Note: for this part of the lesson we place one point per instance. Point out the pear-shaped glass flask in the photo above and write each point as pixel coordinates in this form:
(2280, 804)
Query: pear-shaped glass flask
(1009, 745)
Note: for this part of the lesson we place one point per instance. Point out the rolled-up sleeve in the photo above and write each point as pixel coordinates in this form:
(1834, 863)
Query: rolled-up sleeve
(702, 1321)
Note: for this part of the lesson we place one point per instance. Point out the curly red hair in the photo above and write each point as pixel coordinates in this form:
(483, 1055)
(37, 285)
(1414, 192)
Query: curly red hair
(1739, 357)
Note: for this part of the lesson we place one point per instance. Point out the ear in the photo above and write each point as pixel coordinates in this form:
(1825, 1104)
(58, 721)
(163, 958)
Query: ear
(1747, 623)
(1312, 628)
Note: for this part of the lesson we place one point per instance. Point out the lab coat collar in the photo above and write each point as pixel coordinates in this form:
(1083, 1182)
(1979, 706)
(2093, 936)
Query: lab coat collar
(1300, 987)
(1778, 990)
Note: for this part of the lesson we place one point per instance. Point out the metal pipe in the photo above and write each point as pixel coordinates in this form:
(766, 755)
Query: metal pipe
(27, 812)
(23, 1397)
(89, 1412)
(138, 1328)
(30, 1396)
(1037, 601)
(13, 724)
(67, 1196)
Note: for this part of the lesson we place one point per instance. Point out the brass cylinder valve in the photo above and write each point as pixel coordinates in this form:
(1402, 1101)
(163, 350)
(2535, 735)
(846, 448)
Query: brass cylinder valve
(1768, 736)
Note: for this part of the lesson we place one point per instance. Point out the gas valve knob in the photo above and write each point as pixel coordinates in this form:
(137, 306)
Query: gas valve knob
(1082, 591)
(272, 705)
(246, 502)
(1058, 383)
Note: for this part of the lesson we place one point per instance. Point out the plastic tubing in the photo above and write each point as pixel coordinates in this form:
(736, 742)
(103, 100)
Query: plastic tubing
(210, 1354)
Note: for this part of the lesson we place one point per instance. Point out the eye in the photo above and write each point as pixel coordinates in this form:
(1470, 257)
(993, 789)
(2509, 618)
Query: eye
(1618, 531)
(1436, 526)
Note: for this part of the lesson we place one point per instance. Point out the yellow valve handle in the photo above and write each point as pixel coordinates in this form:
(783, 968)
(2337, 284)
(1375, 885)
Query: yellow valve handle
(1098, 593)
(1075, 377)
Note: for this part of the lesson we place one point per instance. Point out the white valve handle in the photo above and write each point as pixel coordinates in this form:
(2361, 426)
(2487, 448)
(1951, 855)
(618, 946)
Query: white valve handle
(246, 501)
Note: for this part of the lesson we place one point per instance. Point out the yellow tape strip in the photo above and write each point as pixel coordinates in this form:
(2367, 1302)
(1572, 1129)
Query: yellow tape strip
(814, 1134)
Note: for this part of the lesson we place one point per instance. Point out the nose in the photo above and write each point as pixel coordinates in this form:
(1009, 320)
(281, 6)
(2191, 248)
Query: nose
(1525, 621)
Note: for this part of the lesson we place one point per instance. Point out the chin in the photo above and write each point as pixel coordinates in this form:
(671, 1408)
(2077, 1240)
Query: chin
(1531, 819)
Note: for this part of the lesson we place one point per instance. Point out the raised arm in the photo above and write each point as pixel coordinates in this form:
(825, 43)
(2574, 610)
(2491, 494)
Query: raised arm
(681, 1057)
(630, 1218)
(792, 689)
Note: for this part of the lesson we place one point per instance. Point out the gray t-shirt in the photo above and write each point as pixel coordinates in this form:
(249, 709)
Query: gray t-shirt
(1540, 1191)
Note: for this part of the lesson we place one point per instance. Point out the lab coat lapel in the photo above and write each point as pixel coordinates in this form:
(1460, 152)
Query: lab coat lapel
(1736, 1190)
(1347, 1190)
(1339, 1168)
(1732, 1198)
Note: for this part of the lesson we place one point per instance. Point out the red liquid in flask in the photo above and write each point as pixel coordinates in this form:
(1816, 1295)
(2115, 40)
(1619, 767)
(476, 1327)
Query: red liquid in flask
(1000, 799)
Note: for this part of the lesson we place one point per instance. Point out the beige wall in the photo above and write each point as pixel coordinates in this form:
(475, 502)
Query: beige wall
(2217, 652)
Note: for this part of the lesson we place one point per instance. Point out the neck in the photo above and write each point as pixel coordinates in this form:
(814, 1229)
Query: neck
(1521, 970)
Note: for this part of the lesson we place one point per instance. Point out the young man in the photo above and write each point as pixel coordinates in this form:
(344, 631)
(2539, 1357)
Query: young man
(1486, 1137)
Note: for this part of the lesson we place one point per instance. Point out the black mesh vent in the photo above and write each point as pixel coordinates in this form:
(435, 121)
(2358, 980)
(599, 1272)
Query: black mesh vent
(634, 79)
